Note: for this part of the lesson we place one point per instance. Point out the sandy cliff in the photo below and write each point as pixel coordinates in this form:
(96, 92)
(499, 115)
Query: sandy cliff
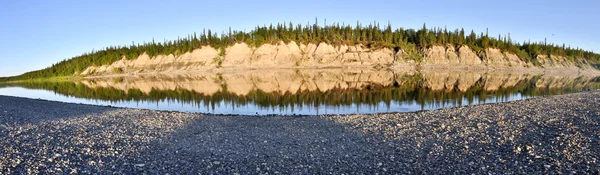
(323, 55)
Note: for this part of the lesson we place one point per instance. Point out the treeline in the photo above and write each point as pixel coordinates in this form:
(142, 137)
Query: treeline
(372, 35)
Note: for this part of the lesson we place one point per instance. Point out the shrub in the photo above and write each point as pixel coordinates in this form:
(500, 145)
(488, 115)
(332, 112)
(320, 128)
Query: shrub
(117, 70)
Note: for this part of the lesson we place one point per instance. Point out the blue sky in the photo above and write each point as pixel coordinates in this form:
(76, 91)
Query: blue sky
(36, 34)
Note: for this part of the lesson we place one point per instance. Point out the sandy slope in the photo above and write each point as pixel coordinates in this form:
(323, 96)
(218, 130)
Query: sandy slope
(294, 55)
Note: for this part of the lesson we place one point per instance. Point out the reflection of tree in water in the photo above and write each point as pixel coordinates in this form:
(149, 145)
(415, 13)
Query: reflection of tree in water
(405, 89)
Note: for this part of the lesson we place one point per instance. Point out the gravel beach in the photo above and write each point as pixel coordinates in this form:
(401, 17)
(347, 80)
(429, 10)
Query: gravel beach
(546, 135)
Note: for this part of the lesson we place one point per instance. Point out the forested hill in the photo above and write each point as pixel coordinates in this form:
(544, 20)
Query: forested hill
(373, 35)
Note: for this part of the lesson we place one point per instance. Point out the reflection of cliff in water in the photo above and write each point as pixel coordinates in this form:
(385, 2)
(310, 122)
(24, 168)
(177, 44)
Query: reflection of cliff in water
(333, 87)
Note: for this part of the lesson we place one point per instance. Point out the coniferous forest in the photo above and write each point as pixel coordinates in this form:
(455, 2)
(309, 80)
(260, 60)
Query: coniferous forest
(371, 35)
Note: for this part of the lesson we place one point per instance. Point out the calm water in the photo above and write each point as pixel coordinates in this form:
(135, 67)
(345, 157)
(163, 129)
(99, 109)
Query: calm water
(322, 91)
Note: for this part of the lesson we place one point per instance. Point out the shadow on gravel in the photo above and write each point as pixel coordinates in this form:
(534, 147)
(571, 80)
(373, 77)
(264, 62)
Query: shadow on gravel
(252, 145)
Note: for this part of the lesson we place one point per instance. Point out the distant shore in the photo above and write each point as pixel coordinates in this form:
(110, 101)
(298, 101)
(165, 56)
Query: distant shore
(540, 135)
(323, 55)
(515, 70)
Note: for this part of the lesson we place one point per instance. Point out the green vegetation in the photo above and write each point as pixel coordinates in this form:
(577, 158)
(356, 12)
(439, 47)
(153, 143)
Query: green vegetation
(117, 70)
(4, 80)
(222, 51)
(372, 35)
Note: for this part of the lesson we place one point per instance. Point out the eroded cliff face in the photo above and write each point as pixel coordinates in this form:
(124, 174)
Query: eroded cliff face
(497, 58)
(552, 61)
(450, 57)
(294, 55)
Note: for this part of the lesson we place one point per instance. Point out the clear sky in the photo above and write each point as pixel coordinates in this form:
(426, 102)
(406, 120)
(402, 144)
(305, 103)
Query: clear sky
(36, 34)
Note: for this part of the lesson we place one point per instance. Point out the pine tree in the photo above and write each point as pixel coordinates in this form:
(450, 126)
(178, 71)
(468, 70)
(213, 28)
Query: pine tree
(461, 37)
(423, 36)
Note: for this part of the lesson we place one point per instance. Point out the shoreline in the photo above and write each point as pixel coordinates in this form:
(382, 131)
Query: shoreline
(395, 69)
(273, 115)
(551, 134)
(241, 56)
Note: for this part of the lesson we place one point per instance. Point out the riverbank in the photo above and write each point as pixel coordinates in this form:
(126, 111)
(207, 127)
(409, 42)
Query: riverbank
(547, 134)
(241, 56)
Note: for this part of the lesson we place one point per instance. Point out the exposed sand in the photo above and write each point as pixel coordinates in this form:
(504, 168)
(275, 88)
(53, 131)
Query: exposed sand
(294, 56)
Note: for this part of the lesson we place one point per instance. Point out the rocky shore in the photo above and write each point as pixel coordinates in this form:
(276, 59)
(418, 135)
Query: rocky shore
(545, 135)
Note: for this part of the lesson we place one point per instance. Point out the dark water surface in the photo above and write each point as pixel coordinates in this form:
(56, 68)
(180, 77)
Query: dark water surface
(306, 91)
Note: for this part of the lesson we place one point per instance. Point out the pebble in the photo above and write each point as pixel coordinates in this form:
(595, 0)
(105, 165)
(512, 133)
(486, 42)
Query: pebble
(57, 138)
